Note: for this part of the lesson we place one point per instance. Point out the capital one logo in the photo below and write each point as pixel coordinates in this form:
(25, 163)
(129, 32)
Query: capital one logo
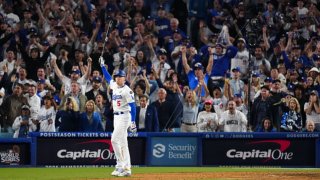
(158, 150)
(266, 155)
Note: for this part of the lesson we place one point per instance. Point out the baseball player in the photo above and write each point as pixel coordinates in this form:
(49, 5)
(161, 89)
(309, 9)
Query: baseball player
(124, 117)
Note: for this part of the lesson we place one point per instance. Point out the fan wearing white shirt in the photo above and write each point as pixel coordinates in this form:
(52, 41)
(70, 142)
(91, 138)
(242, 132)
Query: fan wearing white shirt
(9, 61)
(47, 115)
(33, 100)
(207, 120)
(75, 76)
(233, 120)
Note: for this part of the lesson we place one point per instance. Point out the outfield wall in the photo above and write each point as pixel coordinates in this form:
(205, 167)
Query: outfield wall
(77, 149)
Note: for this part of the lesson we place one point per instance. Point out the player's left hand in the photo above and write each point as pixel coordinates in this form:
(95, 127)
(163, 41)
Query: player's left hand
(133, 127)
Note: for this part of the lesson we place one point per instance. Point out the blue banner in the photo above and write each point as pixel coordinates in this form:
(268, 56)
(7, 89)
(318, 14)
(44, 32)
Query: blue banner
(173, 151)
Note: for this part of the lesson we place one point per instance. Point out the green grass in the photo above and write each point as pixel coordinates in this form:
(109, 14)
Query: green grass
(103, 173)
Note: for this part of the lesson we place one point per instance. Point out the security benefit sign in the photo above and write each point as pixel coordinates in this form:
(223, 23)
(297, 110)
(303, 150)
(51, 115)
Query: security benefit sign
(85, 151)
(15, 154)
(167, 151)
(260, 152)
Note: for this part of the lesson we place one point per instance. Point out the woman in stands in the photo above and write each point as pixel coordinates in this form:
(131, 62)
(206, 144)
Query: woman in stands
(291, 121)
(190, 111)
(312, 109)
(68, 119)
(207, 119)
(47, 115)
(90, 119)
(266, 126)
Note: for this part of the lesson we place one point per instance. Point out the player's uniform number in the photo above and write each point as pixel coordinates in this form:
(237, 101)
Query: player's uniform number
(118, 103)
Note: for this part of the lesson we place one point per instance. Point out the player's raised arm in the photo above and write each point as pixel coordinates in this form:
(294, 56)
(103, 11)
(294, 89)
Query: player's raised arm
(105, 72)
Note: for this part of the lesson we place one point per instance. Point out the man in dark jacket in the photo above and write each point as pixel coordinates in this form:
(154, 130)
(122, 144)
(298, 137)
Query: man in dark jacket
(261, 108)
(96, 85)
(11, 107)
(165, 111)
(146, 116)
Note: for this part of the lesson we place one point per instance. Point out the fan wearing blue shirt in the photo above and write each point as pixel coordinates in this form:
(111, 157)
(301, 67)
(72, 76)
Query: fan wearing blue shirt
(197, 75)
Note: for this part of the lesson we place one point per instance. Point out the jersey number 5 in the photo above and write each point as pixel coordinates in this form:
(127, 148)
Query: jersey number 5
(118, 103)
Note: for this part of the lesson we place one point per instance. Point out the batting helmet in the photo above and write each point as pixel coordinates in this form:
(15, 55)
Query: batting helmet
(120, 73)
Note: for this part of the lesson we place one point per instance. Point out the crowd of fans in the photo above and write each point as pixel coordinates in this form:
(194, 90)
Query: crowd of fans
(194, 65)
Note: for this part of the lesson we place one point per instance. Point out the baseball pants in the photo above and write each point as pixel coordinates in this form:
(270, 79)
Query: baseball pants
(119, 140)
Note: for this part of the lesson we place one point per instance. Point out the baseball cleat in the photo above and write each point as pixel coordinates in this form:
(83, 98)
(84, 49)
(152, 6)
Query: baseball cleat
(117, 171)
(125, 173)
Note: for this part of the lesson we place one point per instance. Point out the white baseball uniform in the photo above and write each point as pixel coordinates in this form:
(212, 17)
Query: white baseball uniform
(121, 97)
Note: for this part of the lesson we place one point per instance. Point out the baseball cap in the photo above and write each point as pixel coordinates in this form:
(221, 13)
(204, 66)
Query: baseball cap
(62, 8)
(60, 35)
(34, 35)
(77, 71)
(238, 95)
(288, 93)
(96, 79)
(198, 66)
(25, 107)
(242, 40)
(120, 73)
(300, 60)
(255, 74)
(149, 18)
(111, 9)
(31, 83)
(122, 45)
(290, 87)
(57, 99)
(41, 81)
(268, 79)
(162, 52)
(160, 8)
(176, 31)
(314, 92)
(276, 80)
(45, 43)
(316, 57)
(236, 69)
(302, 79)
(314, 69)
(32, 30)
(220, 45)
(27, 10)
(208, 101)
